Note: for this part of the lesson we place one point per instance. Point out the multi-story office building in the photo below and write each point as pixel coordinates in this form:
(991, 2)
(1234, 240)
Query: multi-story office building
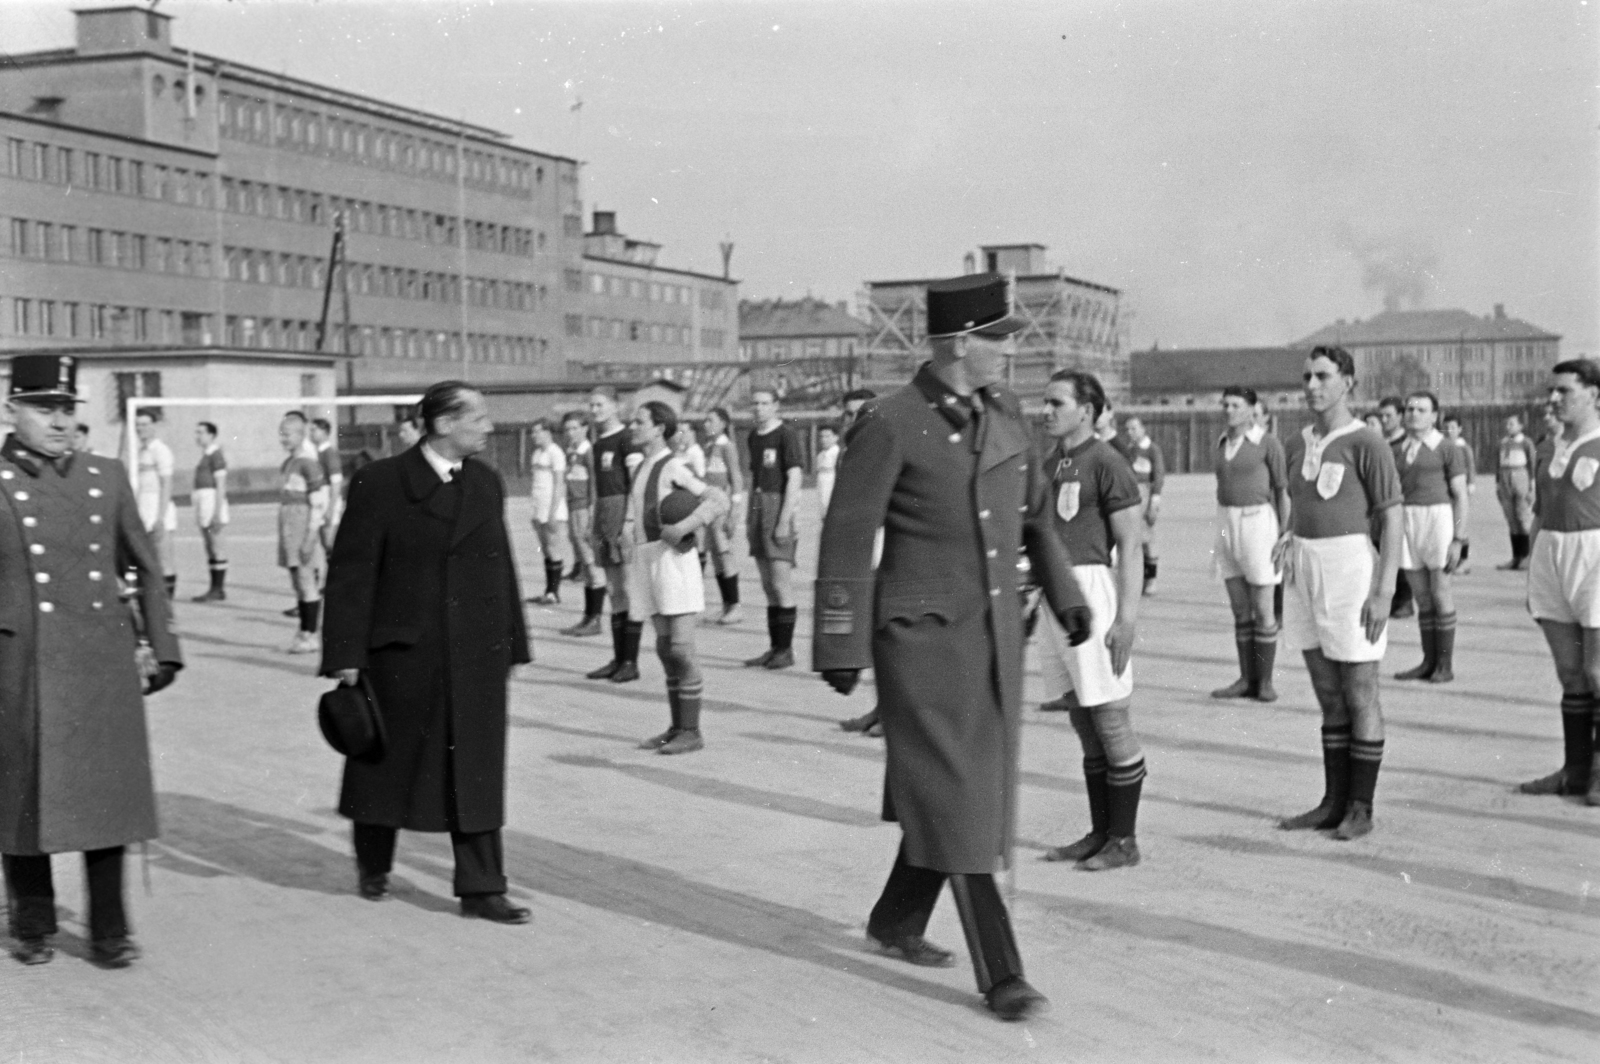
(1460, 356)
(628, 316)
(776, 329)
(153, 195)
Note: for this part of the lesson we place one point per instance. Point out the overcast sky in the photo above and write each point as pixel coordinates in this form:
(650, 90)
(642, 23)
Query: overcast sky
(1244, 172)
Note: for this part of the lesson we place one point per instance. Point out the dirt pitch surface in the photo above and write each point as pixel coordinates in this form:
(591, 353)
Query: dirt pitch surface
(710, 907)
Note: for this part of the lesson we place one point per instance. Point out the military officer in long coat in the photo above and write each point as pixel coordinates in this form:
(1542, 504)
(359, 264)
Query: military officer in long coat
(422, 596)
(74, 753)
(945, 466)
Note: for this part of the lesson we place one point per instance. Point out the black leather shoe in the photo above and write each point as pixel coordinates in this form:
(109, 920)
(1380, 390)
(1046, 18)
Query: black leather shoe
(760, 660)
(861, 723)
(606, 671)
(494, 907)
(627, 672)
(113, 952)
(33, 951)
(1013, 1000)
(779, 659)
(914, 949)
(374, 887)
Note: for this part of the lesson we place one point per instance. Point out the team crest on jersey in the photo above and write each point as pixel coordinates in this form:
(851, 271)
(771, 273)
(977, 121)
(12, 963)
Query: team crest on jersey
(1583, 471)
(1067, 500)
(1141, 465)
(605, 461)
(1329, 478)
(769, 458)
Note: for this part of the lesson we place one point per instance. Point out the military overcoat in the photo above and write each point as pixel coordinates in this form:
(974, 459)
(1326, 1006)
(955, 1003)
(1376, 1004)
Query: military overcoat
(74, 748)
(940, 621)
(422, 594)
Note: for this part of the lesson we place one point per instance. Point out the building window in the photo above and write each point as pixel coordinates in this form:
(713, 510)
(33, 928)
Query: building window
(19, 237)
(22, 316)
(136, 386)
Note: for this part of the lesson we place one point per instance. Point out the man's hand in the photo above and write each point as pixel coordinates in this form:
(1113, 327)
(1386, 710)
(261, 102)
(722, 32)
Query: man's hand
(1152, 511)
(1077, 622)
(1280, 551)
(1375, 613)
(1120, 641)
(1452, 559)
(164, 675)
(786, 531)
(349, 677)
(841, 680)
(674, 534)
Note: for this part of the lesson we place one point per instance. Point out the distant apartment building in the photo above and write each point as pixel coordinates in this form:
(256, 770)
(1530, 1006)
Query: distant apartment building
(1195, 376)
(152, 195)
(1071, 323)
(1460, 356)
(623, 306)
(776, 329)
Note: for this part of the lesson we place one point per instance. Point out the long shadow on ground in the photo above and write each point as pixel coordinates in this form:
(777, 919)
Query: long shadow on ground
(1382, 974)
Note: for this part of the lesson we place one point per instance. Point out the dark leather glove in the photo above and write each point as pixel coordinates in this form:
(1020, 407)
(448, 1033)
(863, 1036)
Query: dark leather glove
(841, 680)
(163, 678)
(1076, 621)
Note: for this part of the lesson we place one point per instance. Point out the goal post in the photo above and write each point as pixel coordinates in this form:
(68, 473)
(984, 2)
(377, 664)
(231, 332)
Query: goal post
(136, 403)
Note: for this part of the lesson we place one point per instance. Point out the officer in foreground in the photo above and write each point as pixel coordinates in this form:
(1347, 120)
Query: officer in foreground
(74, 752)
(946, 468)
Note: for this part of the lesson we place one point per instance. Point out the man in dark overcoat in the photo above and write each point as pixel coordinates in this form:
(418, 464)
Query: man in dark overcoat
(422, 597)
(74, 752)
(946, 467)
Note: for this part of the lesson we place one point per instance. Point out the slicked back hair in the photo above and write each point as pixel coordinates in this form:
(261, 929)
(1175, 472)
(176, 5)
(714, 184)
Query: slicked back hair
(322, 423)
(1393, 402)
(1587, 370)
(1425, 394)
(1242, 392)
(663, 415)
(209, 426)
(1085, 387)
(1338, 356)
(442, 400)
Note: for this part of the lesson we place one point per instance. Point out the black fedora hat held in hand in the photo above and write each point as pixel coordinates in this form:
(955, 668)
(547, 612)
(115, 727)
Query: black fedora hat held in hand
(350, 721)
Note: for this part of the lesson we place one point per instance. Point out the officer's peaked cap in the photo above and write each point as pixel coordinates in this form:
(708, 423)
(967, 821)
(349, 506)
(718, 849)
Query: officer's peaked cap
(977, 303)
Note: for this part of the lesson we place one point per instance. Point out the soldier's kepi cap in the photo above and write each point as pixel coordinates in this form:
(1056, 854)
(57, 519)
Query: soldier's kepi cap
(977, 303)
(44, 377)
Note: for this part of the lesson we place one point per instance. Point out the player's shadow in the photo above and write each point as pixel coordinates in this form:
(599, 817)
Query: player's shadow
(1383, 975)
(657, 895)
(1489, 888)
(206, 838)
(723, 791)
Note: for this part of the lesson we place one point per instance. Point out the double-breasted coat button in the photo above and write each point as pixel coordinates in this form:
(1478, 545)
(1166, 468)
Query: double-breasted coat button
(983, 515)
(94, 548)
(94, 519)
(994, 591)
(6, 474)
(42, 578)
(95, 470)
(94, 574)
(47, 607)
(95, 605)
(29, 522)
(993, 552)
(37, 548)
(955, 437)
(95, 493)
(20, 496)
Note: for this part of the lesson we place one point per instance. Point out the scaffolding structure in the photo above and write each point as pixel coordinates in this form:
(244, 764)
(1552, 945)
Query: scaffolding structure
(1069, 324)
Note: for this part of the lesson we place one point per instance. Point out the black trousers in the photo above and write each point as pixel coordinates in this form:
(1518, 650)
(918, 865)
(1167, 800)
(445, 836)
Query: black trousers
(907, 903)
(480, 862)
(31, 894)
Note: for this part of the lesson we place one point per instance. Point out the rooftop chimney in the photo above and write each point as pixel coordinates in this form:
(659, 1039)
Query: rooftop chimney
(1499, 311)
(605, 223)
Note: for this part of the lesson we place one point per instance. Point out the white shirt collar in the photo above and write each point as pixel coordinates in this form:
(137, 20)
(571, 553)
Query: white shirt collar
(1315, 445)
(1430, 439)
(212, 448)
(440, 466)
(1230, 446)
(1562, 453)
